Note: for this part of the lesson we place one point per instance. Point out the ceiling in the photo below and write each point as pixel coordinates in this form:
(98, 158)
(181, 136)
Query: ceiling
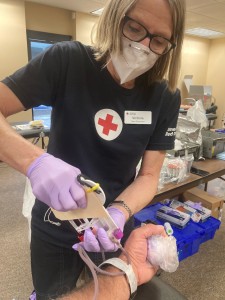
(209, 14)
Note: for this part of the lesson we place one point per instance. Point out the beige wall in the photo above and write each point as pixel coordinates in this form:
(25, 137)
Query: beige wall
(84, 25)
(13, 36)
(195, 56)
(216, 75)
(203, 59)
(49, 19)
(16, 17)
(13, 50)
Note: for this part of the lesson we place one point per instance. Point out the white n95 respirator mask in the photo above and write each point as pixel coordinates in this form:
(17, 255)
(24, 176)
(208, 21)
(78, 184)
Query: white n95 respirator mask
(134, 60)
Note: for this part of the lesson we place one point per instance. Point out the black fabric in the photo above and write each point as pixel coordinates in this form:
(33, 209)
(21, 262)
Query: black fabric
(157, 289)
(55, 269)
(55, 265)
(67, 77)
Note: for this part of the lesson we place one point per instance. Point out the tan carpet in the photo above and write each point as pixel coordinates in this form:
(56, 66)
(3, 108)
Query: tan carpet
(202, 276)
(15, 275)
(199, 277)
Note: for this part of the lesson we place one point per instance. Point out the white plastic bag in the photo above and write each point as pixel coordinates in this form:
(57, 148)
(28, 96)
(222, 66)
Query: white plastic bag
(28, 203)
(162, 252)
(197, 114)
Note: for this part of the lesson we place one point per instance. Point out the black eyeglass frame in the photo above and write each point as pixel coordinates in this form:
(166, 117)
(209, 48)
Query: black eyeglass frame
(148, 34)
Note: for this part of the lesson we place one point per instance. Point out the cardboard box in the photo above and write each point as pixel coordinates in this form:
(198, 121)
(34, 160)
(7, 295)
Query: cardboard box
(213, 203)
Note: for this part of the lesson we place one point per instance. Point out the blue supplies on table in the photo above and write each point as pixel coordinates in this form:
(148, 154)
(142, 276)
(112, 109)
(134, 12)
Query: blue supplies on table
(189, 238)
(196, 211)
(173, 216)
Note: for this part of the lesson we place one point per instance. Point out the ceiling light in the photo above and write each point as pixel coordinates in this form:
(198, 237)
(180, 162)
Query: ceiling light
(205, 33)
(97, 12)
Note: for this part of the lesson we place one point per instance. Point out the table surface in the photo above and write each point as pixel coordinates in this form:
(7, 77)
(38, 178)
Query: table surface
(215, 167)
(30, 133)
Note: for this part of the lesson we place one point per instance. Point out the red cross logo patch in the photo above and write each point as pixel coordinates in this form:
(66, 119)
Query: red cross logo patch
(108, 124)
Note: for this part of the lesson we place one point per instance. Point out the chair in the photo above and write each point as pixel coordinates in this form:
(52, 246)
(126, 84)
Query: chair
(157, 289)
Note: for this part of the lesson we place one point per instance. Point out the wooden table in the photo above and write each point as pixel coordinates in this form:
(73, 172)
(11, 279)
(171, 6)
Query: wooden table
(215, 167)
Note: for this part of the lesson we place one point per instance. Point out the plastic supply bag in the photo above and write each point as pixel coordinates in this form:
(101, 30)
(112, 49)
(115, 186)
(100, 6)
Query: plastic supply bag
(28, 203)
(174, 169)
(216, 187)
(162, 252)
(189, 127)
(177, 169)
(197, 114)
(188, 130)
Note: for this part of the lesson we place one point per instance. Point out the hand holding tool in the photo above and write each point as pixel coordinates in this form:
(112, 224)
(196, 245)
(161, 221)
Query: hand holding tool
(98, 228)
(53, 183)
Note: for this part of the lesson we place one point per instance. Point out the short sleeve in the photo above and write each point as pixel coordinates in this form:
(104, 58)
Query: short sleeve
(37, 82)
(163, 136)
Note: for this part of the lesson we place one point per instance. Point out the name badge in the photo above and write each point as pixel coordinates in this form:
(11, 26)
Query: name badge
(137, 117)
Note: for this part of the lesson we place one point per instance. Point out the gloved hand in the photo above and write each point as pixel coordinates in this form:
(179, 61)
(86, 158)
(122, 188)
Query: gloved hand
(100, 241)
(54, 182)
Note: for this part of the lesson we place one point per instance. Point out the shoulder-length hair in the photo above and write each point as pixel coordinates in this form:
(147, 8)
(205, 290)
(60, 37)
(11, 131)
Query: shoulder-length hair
(109, 32)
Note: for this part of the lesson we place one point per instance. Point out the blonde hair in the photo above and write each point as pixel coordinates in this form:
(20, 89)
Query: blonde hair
(108, 40)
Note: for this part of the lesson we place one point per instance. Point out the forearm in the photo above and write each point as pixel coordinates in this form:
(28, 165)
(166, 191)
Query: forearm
(139, 193)
(15, 150)
(110, 288)
(117, 287)
(143, 189)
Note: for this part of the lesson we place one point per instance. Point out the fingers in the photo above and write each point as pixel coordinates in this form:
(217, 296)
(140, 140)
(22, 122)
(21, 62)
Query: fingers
(69, 204)
(78, 195)
(149, 229)
(96, 243)
(70, 200)
(104, 240)
(90, 242)
(54, 182)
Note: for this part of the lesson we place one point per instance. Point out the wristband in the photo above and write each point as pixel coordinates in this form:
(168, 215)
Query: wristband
(128, 271)
(124, 205)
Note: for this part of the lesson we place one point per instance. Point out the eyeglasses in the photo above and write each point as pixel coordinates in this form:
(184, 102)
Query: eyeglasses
(137, 32)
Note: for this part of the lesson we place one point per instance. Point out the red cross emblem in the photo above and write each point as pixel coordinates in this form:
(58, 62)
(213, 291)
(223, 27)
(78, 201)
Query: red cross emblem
(107, 124)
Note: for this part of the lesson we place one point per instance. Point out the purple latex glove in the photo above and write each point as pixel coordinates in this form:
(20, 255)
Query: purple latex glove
(33, 296)
(100, 241)
(54, 182)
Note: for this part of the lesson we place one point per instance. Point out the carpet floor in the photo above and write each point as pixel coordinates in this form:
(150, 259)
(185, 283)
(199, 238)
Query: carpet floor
(199, 277)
